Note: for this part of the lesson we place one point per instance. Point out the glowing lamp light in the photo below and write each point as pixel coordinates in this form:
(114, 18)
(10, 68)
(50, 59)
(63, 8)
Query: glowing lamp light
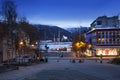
(36, 42)
(80, 44)
(21, 43)
(89, 46)
(77, 44)
(32, 45)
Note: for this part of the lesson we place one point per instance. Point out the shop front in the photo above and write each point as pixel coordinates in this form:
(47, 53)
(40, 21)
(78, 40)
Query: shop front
(108, 51)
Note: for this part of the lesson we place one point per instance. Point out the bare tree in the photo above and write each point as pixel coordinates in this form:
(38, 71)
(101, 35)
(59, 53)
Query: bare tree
(9, 13)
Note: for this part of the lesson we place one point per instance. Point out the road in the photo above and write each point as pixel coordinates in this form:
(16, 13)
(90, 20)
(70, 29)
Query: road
(65, 70)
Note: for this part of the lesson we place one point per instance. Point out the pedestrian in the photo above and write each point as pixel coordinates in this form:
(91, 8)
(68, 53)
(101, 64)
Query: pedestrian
(73, 61)
(101, 58)
(95, 60)
(80, 61)
(61, 55)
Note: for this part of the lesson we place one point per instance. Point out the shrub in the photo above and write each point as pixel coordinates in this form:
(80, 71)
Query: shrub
(116, 61)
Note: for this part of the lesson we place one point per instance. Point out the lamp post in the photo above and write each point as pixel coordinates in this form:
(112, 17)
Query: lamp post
(20, 44)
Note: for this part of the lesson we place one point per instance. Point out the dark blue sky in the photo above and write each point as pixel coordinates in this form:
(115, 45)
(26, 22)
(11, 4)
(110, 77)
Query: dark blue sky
(65, 13)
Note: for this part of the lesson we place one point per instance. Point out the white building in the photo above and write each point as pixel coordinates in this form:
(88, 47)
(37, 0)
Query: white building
(105, 40)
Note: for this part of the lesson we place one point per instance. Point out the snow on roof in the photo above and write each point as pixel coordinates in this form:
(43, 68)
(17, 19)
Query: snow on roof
(106, 28)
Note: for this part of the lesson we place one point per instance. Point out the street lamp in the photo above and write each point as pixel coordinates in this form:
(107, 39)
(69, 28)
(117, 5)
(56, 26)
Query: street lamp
(20, 44)
(33, 45)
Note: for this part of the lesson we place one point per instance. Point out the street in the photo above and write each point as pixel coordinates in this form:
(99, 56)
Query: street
(65, 70)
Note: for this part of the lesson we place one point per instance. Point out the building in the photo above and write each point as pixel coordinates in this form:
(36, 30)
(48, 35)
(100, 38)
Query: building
(7, 48)
(1, 42)
(104, 21)
(10, 43)
(104, 37)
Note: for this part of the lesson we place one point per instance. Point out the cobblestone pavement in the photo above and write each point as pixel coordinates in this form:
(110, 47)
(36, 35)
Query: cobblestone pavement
(65, 70)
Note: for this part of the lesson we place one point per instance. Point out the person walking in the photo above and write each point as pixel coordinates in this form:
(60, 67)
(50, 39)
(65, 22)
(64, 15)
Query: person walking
(101, 58)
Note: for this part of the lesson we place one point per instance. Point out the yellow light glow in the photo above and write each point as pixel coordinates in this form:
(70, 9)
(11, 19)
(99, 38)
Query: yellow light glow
(99, 39)
(89, 46)
(80, 44)
(21, 43)
(32, 45)
(93, 28)
(102, 39)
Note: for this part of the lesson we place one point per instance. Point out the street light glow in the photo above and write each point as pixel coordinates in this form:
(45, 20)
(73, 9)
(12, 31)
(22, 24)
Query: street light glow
(32, 45)
(21, 43)
(80, 44)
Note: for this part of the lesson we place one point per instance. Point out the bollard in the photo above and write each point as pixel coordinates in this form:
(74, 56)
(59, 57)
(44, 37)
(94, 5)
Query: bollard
(73, 61)
(46, 59)
(80, 61)
(100, 61)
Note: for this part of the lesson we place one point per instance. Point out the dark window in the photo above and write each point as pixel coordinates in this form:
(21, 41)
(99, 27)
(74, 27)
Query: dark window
(99, 22)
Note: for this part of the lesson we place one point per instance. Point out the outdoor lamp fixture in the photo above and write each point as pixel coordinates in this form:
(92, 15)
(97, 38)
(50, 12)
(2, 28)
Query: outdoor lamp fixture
(89, 46)
(33, 45)
(21, 43)
(36, 42)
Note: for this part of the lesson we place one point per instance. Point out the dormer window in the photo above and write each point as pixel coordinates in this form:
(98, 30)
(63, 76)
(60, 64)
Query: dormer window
(99, 22)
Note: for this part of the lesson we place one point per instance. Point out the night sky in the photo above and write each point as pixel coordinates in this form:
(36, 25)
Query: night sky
(66, 13)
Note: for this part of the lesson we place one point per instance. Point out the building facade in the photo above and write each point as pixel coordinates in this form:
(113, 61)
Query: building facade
(105, 38)
(10, 43)
(104, 21)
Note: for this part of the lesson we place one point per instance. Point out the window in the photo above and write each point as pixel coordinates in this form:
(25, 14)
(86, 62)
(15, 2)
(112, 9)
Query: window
(99, 22)
(102, 39)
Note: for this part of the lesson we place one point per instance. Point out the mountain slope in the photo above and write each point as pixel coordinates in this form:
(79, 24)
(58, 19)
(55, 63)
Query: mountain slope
(47, 32)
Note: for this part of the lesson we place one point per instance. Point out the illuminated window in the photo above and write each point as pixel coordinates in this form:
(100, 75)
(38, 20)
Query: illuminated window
(102, 39)
(99, 39)
(106, 40)
(98, 32)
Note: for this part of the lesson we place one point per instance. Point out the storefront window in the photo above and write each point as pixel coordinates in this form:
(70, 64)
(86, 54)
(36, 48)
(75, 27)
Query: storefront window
(107, 51)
